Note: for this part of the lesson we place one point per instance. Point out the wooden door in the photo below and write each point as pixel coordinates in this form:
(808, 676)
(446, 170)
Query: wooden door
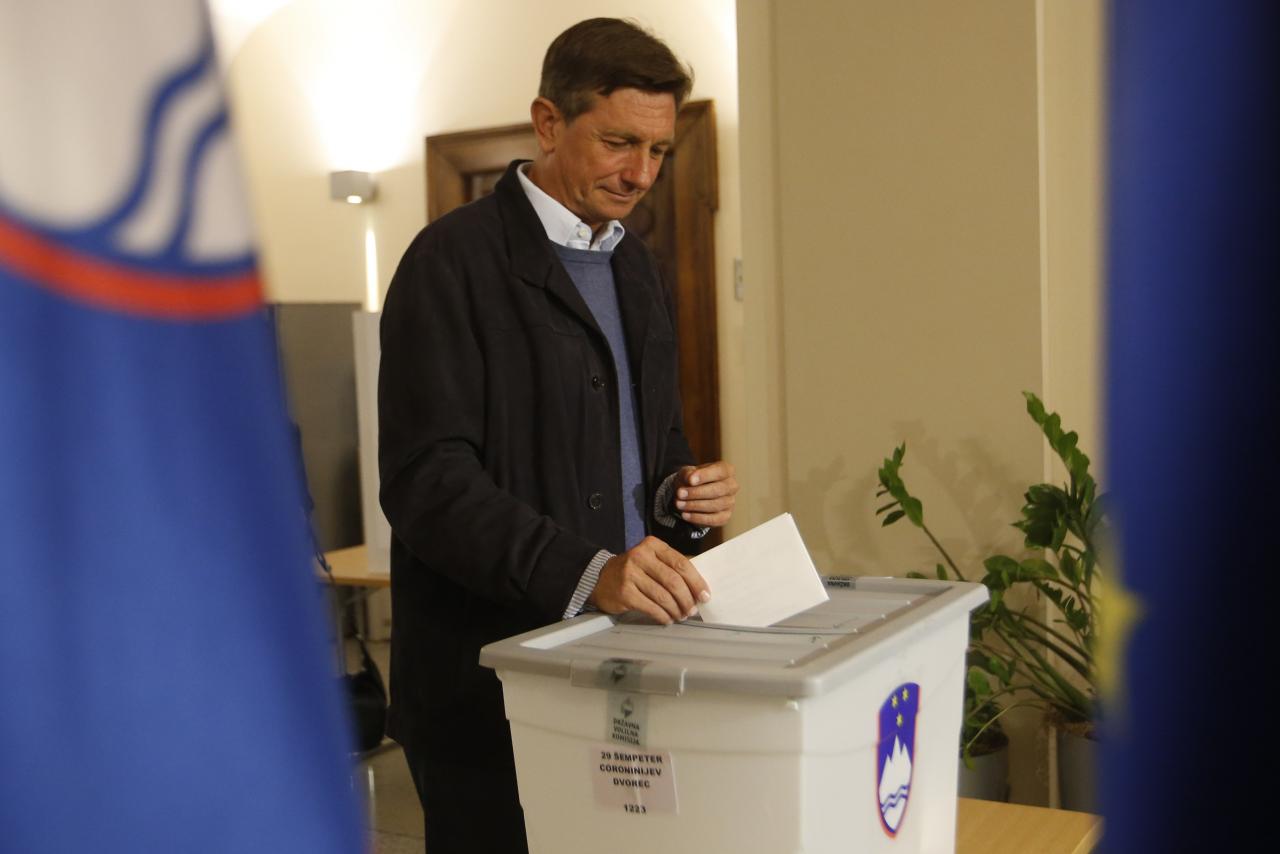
(676, 219)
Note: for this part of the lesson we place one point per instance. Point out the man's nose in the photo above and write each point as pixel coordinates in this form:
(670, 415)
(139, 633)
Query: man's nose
(641, 171)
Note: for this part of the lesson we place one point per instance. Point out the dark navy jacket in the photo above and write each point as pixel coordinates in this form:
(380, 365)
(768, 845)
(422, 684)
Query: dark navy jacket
(498, 448)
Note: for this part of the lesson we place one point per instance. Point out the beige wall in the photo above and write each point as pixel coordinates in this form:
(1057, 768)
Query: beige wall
(1072, 216)
(761, 462)
(920, 229)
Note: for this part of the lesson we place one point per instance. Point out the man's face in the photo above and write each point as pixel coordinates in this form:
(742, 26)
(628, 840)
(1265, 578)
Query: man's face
(600, 164)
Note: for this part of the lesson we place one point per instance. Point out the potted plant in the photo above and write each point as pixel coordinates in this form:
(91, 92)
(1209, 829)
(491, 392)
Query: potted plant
(1017, 657)
(984, 746)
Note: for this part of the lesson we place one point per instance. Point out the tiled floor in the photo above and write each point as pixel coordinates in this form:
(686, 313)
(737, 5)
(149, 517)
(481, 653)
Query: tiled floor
(394, 815)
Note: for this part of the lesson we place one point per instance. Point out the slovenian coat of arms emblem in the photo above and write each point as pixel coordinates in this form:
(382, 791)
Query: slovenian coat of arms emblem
(895, 754)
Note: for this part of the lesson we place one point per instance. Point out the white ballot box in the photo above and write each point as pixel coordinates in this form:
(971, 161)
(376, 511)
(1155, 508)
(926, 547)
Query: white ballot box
(836, 730)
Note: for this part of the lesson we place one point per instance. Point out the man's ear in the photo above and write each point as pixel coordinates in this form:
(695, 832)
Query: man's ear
(547, 123)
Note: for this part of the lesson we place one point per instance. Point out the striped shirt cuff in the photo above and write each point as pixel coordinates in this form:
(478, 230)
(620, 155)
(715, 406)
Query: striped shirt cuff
(663, 505)
(586, 584)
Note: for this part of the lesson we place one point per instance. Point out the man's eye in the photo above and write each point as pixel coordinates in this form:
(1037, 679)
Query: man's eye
(616, 144)
(658, 153)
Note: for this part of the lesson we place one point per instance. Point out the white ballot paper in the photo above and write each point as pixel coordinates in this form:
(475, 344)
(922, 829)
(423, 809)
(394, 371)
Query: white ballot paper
(760, 577)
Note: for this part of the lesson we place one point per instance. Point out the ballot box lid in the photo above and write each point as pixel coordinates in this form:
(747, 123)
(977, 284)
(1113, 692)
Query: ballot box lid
(865, 621)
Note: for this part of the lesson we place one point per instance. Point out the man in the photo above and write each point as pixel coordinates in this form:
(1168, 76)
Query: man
(532, 455)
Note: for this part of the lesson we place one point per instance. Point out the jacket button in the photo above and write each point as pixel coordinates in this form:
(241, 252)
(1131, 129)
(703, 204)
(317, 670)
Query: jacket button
(597, 383)
(596, 501)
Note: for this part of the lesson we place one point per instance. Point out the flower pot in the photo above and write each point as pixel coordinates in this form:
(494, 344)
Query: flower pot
(1077, 761)
(988, 778)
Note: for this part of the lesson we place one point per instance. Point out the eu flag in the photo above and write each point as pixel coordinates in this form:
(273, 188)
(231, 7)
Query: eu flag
(166, 683)
(1192, 403)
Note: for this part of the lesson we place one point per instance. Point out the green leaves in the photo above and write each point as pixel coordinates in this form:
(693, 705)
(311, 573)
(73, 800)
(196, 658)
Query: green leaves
(1076, 617)
(1023, 657)
(1063, 443)
(914, 510)
(891, 484)
(1037, 567)
(1069, 567)
(1046, 516)
(1003, 670)
(1000, 572)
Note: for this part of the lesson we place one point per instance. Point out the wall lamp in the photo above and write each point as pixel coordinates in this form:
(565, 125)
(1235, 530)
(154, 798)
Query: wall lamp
(353, 187)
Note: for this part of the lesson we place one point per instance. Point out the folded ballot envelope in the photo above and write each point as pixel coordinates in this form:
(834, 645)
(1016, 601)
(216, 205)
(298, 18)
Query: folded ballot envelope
(760, 577)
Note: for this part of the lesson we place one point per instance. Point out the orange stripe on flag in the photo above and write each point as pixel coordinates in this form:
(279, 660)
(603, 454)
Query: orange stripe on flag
(102, 284)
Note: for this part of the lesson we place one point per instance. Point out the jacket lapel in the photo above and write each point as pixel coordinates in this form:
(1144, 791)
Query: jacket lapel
(635, 301)
(532, 258)
(638, 303)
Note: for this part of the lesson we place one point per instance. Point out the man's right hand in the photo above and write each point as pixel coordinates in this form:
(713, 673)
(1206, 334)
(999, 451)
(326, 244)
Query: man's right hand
(652, 578)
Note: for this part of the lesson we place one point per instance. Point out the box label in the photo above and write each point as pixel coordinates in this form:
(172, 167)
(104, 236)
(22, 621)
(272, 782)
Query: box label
(635, 781)
(626, 716)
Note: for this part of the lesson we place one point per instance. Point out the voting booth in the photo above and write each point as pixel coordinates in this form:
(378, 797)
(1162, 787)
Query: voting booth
(836, 730)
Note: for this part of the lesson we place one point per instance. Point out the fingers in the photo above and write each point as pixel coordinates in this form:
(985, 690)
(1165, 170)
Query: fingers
(715, 489)
(709, 494)
(670, 575)
(652, 578)
(714, 480)
(685, 570)
(668, 606)
(706, 473)
(708, 520)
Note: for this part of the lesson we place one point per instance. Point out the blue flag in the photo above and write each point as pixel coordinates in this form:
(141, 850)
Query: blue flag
(1192, 404)
(166, 679)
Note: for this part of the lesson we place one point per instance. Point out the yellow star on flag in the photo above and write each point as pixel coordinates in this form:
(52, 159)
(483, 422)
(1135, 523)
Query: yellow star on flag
(1119, 612)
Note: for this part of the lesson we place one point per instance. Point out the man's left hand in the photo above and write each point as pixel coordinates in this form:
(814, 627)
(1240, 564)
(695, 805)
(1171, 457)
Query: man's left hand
(705, 494)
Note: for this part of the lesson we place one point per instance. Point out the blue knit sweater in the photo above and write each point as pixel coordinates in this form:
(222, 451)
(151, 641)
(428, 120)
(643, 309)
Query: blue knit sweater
(592, 275)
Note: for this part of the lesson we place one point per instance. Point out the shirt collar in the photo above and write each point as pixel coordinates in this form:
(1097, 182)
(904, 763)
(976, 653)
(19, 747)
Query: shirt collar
(562, 225)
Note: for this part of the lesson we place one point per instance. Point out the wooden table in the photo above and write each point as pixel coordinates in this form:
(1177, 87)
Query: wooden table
(991, 827)
(352, 568)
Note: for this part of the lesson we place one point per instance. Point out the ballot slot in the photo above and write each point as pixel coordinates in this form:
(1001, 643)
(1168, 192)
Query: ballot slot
(792, 642)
